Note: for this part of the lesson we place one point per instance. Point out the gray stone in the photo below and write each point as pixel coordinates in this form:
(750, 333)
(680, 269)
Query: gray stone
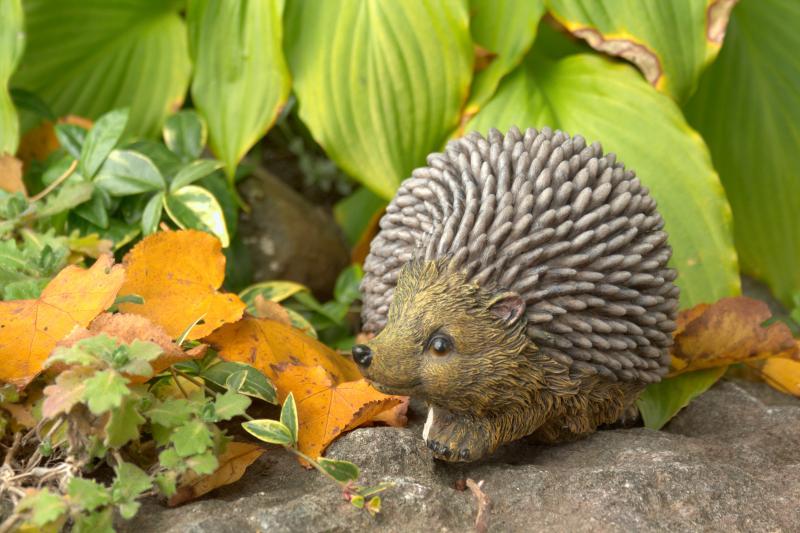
(729, 462)
(288, 237)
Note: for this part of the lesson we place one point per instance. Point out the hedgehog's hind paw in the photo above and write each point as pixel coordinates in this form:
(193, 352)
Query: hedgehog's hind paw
(455, 438)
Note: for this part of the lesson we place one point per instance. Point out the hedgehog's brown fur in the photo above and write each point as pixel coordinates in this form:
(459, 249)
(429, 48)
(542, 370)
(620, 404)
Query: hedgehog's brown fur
(512, 371)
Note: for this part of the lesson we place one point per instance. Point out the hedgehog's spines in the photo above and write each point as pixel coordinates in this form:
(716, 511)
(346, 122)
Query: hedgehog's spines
(570, 229)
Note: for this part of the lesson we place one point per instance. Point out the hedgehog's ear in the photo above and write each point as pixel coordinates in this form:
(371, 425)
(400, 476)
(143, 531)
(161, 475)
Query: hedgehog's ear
(508, 307)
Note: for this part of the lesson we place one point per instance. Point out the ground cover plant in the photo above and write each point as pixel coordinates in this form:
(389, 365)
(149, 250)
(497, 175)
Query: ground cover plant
(126, 126)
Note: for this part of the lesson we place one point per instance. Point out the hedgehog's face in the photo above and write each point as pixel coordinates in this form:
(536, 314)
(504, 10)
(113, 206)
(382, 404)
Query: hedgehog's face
(448, 341)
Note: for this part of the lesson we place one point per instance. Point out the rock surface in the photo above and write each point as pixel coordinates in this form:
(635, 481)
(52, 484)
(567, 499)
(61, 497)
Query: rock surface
(288, 237)
(728, 462)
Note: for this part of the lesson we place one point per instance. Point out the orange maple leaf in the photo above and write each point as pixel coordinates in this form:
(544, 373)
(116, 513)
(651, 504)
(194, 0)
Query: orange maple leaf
(325, 408)
(177, 273)
(264, 343)
(30, 329)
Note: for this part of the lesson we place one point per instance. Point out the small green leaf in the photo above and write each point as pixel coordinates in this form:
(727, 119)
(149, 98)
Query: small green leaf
(357, 500)
(185, 134)
(194, 171)
(71, 137)
(87, 494)
(661, 401)
(374, 505)
(167, 162)
(45, 507)
(130, 482)
(126, 172)
(98, 522)
(105, 390)
(171, 413)
(204, 463)
(123, 424)
(270, 431)
(169, 458)
(196, 208)
(191, 438)
(101, 139)
(342, 471)
(229, 375)
(289, 416)
(166, 483)
(66, 197)
(151, 215)
(95, 210)
(230, 404)
(275, 291)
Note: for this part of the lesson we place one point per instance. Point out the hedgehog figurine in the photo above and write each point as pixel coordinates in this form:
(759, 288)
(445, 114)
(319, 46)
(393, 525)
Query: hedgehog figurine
(519, 285)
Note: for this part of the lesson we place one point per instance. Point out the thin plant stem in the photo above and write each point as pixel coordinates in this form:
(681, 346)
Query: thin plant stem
(59, 180)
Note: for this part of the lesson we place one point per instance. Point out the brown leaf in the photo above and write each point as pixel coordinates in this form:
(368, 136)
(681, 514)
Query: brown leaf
(11, 175)
(178, 274)
(41, 141)
(232, 465)
(30, 329)
(729, 331)
(325, 408)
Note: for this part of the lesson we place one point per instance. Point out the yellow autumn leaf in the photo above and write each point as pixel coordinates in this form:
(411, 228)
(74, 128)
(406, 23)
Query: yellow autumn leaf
(178, 274)
(30, 329)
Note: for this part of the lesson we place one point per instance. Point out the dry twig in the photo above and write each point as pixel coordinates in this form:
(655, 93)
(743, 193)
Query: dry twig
(484, 505)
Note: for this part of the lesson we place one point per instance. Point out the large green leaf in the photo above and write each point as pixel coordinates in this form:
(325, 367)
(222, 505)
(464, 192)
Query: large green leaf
(661, 401)
(241, 80)
(670, 41)
(747, 108)
(506, 29)
(606, 101)
(12, 41)
(380, 84)
(87, 57)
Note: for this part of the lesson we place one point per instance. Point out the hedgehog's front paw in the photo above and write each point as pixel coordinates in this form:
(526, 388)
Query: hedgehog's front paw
(454, 437)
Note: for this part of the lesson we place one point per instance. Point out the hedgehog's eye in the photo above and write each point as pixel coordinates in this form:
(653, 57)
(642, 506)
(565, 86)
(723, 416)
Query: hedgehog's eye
(440, 345)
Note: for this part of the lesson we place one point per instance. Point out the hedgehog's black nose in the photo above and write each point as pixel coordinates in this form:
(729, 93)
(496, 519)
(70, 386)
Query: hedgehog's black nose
(362, 354)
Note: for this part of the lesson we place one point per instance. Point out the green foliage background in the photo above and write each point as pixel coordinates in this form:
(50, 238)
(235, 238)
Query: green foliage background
(380, 84)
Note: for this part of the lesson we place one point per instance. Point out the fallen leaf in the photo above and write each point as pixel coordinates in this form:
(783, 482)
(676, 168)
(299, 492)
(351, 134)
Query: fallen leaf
(11, 175)
(38, 143)
(265, 343)
(66, 391)
(30, 329)
(232, 465)
(271, 310)
(327, 408)
(396, 416)
(782, 374)
(127, 328)
(728, 331)
(177, 273)
(41, 141)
